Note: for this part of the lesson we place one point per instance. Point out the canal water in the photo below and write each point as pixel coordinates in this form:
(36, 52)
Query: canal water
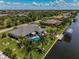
(67, 49)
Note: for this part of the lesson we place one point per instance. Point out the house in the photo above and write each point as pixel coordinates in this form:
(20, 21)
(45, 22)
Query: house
(68, 33)
(31, 31)
(51, 22)
(66, 15)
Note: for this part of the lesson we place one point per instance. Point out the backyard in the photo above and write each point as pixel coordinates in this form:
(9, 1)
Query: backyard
(45, 44)
(24, 49)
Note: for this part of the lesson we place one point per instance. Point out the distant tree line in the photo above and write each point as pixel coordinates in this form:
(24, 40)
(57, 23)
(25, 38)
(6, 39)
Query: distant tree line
(13, 19)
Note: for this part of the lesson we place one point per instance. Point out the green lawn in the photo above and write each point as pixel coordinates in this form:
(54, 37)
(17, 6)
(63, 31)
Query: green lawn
(12, 45)
(46, 47)
(36, 55)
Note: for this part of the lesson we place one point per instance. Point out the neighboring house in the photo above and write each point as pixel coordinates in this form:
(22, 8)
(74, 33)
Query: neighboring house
(31, 31)
(68, 33)
(66, 15)
(1, 15)
(51, 22)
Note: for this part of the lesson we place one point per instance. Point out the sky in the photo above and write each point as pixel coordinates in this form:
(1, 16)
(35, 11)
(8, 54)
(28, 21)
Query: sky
(39, 4)
(30, 1)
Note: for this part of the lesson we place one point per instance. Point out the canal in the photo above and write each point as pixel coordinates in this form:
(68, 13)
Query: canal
(67, 49)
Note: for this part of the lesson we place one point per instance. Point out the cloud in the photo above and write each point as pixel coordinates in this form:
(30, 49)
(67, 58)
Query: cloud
(75, 0)
(34, 3)
(61, 0)
(9, 3)
(63, 3)
(17, 4)
(56, 4)
(76, 4)
(1, 1)
(4, 3)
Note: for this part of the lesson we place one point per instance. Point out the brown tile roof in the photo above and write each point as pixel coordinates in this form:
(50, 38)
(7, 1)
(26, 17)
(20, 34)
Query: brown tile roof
(51, 21)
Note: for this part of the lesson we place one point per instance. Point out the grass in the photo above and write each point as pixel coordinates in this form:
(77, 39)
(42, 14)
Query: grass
(47, 47)
(12, 45)
(36, 55)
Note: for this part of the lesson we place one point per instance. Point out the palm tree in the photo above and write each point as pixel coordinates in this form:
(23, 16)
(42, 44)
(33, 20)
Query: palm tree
(8, 52)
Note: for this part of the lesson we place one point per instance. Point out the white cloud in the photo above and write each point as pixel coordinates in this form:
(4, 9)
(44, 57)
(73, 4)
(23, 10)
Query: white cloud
(4, 3)
(17, 3)
(1, 1)
(74, 0)
(76, 4)
(24, 4)
(61, 0)
(59, 3)
(9, 3)
(36, 4)
(55, 3)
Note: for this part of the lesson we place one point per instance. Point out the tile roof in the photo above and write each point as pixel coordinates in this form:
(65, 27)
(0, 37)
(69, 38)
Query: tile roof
(24, 30)
(51, 21)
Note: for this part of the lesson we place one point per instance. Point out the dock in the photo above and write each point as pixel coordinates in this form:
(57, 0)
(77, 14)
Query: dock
(59, 37)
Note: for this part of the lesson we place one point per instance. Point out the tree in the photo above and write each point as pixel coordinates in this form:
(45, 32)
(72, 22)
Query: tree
(13, 56)
(8, 52)
(8, 23)
(3, 35)
(50, 29)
